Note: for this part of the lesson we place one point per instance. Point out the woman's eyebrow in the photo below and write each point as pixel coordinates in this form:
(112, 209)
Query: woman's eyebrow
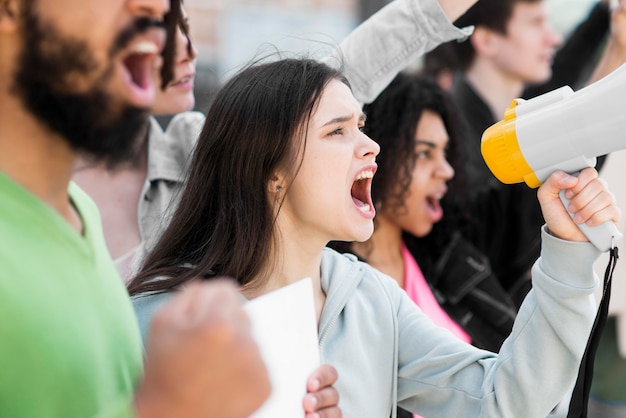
(344, 118)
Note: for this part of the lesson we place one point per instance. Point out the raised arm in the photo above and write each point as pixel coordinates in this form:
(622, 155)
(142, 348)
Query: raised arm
(393, 39)
(538, 362)
(455, 8)
(614, 54)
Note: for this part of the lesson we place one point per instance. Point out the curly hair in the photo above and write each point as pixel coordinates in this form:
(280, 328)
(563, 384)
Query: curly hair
(224, 224)
(392, 122)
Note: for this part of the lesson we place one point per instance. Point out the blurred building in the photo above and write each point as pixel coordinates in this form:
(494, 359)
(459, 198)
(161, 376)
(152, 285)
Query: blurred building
(231, 33)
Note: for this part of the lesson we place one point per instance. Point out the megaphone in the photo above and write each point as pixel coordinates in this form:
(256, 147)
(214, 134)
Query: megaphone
(560, 130)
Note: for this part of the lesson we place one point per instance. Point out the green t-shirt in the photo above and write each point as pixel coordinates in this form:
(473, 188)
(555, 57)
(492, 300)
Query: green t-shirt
(69, 340)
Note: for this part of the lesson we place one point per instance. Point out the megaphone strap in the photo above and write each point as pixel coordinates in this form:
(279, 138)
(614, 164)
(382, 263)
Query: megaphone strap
(580, 395)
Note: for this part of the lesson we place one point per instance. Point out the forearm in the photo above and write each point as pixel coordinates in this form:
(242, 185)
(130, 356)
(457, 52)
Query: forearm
(537, 363)
(614, 56)
(394, 38)
(545, 348)
(455, 8)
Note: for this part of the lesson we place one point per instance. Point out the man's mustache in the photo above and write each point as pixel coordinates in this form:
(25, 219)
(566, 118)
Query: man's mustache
(138, 27)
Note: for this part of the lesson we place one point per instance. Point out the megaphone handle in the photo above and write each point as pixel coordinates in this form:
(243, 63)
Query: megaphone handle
(603, 236)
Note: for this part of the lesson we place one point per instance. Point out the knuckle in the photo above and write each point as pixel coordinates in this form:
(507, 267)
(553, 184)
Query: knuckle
(327, 397)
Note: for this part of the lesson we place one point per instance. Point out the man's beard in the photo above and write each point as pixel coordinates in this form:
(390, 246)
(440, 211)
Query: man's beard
(94, 122)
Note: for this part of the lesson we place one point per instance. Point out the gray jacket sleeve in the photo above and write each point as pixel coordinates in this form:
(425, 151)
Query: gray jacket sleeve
(536, 365)
(391, 40)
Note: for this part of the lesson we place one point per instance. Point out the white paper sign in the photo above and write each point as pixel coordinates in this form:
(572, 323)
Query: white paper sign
(285, 328)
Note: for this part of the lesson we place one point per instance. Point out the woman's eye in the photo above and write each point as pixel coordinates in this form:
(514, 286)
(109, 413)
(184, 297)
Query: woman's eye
(337, 131)
(423, 155)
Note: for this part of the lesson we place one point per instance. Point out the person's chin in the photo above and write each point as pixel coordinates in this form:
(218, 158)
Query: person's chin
(173, 107)
(186, 105)
(541, 76)
(363, 234)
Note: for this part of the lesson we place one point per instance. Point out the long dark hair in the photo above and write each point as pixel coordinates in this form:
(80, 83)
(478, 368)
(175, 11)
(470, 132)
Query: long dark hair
(225, 220)
(172, 21)
(392, 121)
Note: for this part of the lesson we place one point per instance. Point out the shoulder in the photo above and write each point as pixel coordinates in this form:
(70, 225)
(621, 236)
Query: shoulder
(169, 151)
(345, 271)
(185, 128)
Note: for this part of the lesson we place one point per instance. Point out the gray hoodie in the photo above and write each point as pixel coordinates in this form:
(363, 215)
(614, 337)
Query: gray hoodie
(386, 350)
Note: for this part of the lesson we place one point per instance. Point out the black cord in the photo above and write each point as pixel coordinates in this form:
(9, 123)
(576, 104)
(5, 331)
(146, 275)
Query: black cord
(580, 396)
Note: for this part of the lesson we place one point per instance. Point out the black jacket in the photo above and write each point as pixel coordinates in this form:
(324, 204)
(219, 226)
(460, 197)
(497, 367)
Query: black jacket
(505, 220)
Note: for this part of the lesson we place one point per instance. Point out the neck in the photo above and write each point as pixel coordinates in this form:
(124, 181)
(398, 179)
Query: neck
(138, 163)
(293, 262)
(495, 87)
(116, 192)
(35, 157)
(383, 250)
(295, 258)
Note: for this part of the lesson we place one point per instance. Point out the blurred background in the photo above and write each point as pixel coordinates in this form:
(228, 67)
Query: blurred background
(230, 33)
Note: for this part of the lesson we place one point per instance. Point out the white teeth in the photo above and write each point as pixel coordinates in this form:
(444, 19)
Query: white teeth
(364, 208)
(182, 80)
(145, 47)
(365, 175)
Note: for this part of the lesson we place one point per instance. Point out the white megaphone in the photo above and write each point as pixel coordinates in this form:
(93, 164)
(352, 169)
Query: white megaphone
(560, 130)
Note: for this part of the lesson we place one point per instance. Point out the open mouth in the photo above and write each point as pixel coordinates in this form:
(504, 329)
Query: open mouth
(433, 205)
(183, 80)
(139, 66)
(361, 191)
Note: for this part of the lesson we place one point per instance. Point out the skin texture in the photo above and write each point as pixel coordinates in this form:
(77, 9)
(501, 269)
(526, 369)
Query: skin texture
(305, 194)
(614, 53)
(206, 319)
(178, 95)
(92, 91)
(527, 49)
(591, 203)
(97, 27)
(116, 192)
(421, 208)
(505, 62)
(336, 152)
(327, 167)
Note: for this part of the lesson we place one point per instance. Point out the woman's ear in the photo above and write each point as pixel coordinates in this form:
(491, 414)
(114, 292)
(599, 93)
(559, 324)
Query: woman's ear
(9, 16)
(276, 184)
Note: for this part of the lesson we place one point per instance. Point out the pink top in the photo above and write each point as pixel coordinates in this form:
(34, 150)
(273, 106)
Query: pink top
(417, 288)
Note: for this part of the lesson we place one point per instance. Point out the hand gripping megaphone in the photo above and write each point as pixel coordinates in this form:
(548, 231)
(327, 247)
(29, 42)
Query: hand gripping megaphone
(560, 130)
